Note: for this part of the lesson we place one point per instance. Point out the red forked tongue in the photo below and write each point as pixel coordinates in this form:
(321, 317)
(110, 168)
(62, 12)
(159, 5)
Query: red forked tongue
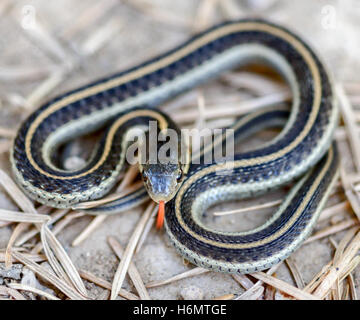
(160, 216)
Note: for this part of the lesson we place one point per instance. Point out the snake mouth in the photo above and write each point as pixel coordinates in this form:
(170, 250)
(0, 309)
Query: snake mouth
(164, 197)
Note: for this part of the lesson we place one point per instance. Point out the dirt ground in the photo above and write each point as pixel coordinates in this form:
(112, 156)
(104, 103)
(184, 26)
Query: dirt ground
(76, 42)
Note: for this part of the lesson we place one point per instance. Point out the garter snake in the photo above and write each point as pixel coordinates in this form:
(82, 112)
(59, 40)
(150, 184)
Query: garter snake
(303, 148)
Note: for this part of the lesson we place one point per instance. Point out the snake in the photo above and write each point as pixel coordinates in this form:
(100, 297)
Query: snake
(303, 153)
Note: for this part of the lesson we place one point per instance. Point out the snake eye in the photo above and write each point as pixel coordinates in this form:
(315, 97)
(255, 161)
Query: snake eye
(179, 176)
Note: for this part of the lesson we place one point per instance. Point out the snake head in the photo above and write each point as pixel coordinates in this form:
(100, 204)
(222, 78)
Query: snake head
(162, 180)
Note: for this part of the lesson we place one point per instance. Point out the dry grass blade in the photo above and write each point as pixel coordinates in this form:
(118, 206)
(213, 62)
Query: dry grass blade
(61, 285)
(350, 193)
(354, 201)
(23, 287)
(283, 286)
(58, 227)
(5, 223)
(128, 178)
(204, 13)
(16, 194)
(254, 293)
(346, 293)
(46, 87)
(253, 82)
(23, 202)
(40, 34)
(132, 270)
(340, 249)
(112, 197)
(5, 146)
(146, 231)
(352, 287)
(350, 268)
(88, 17)
(31, 233)
(184, 100)
(56, 266)
(295, 273)
(12, 293)
(157, 13)
(88, 230)
(7, 132)
(106, 285)
(101, 35)
(229, 296)
(270, 293)
(340, 134)
(16, 216)
(332, 230)
(43, 209)
(46, 235)
(201, 108)
(259, 283)
(310, 287)
(230, 9)
(335, 271)
(32, 257)
(234, 110)
(191, 273)
(243, 280)
(129, 251)
(350, 124)
(20, 228)
(347, 180)
(22, 73)
(333, 210)
(66, 262)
